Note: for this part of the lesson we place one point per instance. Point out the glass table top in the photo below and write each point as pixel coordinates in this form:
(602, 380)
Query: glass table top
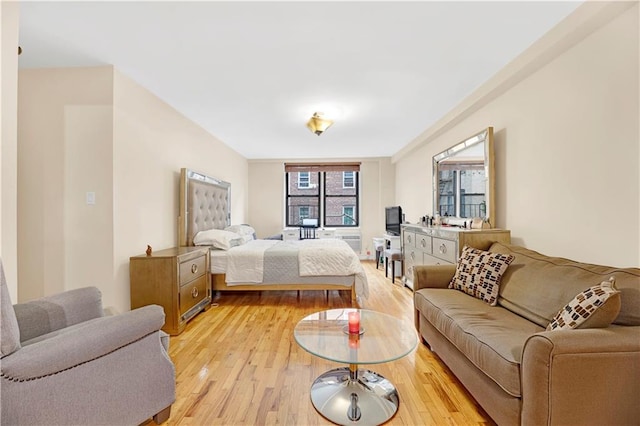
(383, 337)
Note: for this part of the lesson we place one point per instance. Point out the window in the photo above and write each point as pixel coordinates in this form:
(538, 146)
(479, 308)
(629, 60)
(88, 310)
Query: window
(340, 200)
(348, 180)
(303, 198)
(303, 213)
(347, 215)
(328, 193)
(303, 180)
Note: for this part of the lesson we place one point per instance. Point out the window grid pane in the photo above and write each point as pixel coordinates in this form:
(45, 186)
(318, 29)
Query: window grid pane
(341, 199)
(303, 202)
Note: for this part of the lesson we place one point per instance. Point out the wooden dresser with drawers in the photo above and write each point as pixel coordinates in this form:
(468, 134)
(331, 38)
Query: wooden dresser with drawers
(435, 245)
(177, 279)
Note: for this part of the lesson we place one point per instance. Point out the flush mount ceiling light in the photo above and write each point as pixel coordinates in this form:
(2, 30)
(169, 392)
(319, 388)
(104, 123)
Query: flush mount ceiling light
(317, 124)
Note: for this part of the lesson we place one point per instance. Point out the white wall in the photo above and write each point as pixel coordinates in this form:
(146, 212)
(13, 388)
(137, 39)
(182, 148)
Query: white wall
(9, 16)
(95, 130)
(88, 228)
(152, 142)
(567, 148)
(267, 195)
(62, 114)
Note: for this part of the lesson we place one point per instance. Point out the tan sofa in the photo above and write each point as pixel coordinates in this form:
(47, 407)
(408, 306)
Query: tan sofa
(520, 373)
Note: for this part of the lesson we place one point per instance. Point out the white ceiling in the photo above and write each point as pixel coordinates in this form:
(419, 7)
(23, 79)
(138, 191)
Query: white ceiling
(252, 73)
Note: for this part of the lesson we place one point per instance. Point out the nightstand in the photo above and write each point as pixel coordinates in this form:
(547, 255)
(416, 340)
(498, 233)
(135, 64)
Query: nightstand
(177, 279)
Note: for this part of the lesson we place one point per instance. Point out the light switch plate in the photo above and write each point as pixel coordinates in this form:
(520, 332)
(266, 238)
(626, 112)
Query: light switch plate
(91, 198)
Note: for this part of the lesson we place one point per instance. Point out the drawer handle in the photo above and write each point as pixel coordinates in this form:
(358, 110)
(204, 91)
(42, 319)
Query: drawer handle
(194, 268)
(443, 249)
(409, 238)
(423, 243)
(413, 256)
(194, 292)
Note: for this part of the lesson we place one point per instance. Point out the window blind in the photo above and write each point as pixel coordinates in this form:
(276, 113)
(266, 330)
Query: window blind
(321, 167)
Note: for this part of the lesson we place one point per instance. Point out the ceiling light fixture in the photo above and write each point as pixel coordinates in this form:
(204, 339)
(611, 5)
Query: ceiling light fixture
(317, 124)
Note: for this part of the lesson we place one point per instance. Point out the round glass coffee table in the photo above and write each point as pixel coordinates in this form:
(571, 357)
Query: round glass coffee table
(351, 395)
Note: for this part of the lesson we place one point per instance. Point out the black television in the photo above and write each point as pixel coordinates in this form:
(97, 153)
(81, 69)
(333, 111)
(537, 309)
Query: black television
(393, 219)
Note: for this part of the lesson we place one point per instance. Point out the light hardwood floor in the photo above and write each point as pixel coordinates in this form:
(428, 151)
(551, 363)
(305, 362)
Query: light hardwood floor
(238, 363)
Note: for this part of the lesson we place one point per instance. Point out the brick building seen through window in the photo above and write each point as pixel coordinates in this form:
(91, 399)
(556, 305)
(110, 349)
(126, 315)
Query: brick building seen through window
(331, 197)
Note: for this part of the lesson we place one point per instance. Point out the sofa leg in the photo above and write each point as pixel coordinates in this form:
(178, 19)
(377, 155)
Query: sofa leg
(162, 416)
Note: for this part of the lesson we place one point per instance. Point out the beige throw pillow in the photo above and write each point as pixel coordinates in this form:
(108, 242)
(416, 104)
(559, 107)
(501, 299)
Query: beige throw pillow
(218, 238)
(595, 307)
(478, 273)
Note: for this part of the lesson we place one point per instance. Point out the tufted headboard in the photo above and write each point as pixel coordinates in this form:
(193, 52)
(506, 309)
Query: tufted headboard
(204, 204)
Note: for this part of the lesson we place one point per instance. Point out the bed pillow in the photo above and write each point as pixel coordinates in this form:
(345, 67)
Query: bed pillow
(218, 238)
(478, 273)
(595, 307)
(241, 229)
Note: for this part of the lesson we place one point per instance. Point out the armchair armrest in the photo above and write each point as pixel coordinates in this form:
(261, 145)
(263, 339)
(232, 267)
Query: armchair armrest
(432, 276)
(583, 376)
(82, 343)
(41, 316)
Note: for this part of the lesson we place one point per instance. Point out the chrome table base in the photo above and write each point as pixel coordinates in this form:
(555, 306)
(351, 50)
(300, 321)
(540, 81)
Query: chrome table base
(352, 396)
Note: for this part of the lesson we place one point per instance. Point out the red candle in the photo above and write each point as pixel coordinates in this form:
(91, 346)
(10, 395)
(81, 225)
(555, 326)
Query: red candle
(354, 340)
(354, 322)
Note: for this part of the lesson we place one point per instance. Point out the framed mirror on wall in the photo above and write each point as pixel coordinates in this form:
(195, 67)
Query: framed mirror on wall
(464, 180)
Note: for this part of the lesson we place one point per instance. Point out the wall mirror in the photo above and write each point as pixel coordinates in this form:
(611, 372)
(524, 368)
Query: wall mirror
(464, 179)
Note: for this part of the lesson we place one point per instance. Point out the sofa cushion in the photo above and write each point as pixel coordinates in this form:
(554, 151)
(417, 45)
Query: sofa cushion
(478, 273)
(491, 337)
(536, 286)
(595, 307)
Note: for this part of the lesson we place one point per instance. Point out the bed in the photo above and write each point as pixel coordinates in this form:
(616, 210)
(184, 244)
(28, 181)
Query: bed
(240, 262)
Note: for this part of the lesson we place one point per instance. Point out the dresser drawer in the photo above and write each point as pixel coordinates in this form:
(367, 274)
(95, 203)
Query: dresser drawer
(326, 233)
(290, 234)
(192, 293)
(444, 249)
(192, 269)
(423, 242)
(409, 239)
(412, 257)
(428, 259)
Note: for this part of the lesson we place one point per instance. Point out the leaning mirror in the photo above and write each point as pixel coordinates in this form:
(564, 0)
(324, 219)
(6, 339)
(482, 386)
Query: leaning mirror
(463, 179)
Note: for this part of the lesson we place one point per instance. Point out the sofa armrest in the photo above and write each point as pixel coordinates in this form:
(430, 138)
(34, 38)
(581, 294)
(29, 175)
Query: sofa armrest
(584, 376)
(47, 314)
(432, 276)
(82, 343)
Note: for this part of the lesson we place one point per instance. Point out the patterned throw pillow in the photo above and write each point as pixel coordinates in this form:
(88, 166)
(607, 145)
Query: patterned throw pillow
(595, 307)
(478, 273)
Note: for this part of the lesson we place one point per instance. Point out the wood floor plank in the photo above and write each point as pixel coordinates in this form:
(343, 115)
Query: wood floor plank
(238, 363)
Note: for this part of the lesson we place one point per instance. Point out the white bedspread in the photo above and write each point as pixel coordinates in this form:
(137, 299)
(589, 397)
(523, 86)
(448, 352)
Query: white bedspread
(332, 257)
(321, 257)
(245, 263)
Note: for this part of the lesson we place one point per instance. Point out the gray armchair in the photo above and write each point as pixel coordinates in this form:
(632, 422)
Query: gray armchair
(64, 363)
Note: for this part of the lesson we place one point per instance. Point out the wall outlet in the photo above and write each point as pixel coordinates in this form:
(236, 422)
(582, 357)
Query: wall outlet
(91, 198)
